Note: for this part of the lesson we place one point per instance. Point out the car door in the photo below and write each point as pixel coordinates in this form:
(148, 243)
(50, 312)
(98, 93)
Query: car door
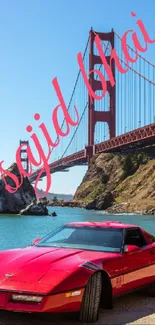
(151, 268)
(136, 264)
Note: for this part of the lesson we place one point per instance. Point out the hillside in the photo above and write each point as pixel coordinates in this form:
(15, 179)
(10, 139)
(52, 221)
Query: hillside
(50, 196)
(119, 183)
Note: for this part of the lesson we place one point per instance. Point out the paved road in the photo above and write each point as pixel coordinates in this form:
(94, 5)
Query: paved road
(132, 309)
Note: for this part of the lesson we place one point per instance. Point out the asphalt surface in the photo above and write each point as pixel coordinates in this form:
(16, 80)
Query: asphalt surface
(132, 309)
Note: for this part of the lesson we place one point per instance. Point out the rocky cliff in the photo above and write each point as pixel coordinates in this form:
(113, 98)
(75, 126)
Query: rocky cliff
(13, 203)
(119, 183)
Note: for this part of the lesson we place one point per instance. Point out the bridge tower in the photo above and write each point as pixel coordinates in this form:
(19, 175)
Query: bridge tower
(24, 156)
(95, 116)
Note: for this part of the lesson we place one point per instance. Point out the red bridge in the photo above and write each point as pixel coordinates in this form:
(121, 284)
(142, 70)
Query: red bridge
(122, 120)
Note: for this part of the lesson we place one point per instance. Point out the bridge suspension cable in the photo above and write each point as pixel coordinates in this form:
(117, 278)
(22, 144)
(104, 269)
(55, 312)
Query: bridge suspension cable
(135, 100)
(136, 103)
(85, 107)
(133, 92)
(70, 102)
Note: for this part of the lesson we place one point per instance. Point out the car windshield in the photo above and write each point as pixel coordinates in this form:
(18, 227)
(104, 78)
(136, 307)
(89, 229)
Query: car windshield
(87, 238)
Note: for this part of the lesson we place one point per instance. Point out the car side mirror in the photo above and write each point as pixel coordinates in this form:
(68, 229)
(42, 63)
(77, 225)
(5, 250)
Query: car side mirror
(35, 241)
(131, 248)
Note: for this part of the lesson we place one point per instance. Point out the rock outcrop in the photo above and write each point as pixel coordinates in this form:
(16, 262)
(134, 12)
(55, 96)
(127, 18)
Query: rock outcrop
(53, 203)
(119, 183)
(14, 202)
(36, 208)
(53, 214)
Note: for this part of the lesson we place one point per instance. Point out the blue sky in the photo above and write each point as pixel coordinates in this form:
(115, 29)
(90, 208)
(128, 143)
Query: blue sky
(39, 41)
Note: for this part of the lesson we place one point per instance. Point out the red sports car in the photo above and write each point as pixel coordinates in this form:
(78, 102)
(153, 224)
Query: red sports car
(78, 267)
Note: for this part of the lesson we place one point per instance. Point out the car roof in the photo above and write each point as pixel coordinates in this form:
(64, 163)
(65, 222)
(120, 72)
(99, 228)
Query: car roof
(104, 224)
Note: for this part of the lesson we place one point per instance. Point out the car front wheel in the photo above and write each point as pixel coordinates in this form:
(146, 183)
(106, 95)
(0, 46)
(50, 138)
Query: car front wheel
(91, 299)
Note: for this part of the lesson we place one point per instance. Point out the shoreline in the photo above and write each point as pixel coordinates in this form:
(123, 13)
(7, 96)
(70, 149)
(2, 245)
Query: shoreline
(114, 209)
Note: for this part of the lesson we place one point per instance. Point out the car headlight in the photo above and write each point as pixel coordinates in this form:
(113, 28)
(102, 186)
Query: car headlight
(26, 298)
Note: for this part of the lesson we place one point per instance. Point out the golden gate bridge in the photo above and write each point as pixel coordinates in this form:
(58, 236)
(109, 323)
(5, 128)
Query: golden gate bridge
(123, 119)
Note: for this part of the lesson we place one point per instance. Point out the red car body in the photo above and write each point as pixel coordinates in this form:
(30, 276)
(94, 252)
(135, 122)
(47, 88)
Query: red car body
(58, 276)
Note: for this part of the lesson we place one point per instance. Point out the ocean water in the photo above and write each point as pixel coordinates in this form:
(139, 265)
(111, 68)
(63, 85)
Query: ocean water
(19, 231)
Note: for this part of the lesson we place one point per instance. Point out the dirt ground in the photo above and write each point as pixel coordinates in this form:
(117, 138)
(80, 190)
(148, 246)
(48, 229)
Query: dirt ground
(132, 309)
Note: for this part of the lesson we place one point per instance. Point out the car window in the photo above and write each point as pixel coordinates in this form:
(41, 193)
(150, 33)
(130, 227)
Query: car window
(91, 238)
(152, 238)
(135, 237)
(60, 235)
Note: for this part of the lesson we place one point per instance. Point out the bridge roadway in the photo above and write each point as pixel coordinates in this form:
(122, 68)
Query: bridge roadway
(137, 138)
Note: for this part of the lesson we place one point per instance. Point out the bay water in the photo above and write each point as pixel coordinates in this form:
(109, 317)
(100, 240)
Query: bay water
(19, 231)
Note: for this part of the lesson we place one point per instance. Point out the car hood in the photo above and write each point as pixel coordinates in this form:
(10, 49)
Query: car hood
(44, 265)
